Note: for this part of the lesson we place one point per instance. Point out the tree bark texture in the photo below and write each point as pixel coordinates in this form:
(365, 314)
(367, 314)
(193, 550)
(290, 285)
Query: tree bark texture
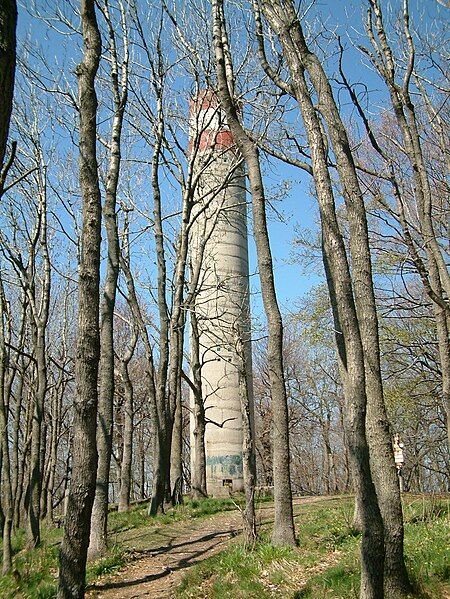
(243, 347)
(348, 337)
(39, 308)
(99, 536)
(7, 497)
(73, 551)
(127, 456)
(127, 453)
(283, 533)
(176, 452)
(381, 455)
(198, 422)
(8, 24)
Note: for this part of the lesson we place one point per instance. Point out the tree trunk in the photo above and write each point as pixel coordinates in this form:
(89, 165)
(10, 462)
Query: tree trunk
(99, 523)
(8, 23)
(283, 532)
(35, 484)
(15, 454)
(5, 471)
(40, 313)
(437, 280)
(161, 469)
(198, 464)
(348, 339)
(243, 352)
(176, 452)
(73, 551)
(127, 454)
(53, 453)
(381, 455)
(141, 463)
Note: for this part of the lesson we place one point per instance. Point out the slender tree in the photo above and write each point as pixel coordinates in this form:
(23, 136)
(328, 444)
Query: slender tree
(283, 533)
(8, 24)
(348, 336)
(7, 497)
(119, 84)
(73, 552)
(433, 271)
(127, 454)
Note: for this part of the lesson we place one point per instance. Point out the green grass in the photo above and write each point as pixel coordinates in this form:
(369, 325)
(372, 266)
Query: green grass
(326, 562)
(113, 561)
(138, 517)
(34, 572)
(427, 534)
(324, 565)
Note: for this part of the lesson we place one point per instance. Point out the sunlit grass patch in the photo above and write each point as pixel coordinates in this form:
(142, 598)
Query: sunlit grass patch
(34, 573)
(33, 576)
(113, 561)
(326, 562)
(427, 531)
(138, 516)
(232, 573)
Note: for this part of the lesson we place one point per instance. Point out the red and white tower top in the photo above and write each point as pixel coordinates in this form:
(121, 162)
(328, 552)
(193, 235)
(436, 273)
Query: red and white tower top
(208, 127)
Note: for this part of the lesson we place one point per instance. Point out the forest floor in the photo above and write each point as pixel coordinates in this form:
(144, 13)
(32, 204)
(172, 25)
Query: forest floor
(160, 558)
(196, 551)
(158, 561)
(204, 557)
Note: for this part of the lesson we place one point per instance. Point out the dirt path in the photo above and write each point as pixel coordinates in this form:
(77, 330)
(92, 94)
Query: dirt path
(162, 556)
(156, 572)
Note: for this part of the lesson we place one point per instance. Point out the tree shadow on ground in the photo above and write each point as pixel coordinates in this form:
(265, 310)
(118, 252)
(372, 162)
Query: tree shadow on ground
(180, 564)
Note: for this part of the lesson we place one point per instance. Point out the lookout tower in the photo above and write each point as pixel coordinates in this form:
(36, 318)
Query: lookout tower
(219, 247)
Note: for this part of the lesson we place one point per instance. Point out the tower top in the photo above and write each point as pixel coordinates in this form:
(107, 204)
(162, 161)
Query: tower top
(208, 127)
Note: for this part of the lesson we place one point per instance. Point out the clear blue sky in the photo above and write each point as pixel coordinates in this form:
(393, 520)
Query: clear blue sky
(298, 209)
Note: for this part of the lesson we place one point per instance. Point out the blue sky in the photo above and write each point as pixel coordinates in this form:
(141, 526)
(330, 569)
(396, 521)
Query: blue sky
(298, 208)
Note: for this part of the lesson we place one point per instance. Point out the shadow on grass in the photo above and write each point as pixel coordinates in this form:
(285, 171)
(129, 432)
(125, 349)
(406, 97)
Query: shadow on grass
(181, 564)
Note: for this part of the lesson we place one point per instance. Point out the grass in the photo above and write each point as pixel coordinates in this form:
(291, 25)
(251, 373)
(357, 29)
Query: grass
(34, 573)
(138, 517)
(325, 565)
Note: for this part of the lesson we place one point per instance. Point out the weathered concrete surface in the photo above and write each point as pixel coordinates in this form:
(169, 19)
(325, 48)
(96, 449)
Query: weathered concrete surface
(219, 243)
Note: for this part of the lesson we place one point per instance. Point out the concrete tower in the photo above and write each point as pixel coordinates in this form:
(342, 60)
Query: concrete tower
(219, 248)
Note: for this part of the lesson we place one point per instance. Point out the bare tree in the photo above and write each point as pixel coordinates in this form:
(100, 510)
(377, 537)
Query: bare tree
(283, 533)
(73, 552)
(198, 464)
(348, 336)
(432, 268)
(119, 84)
(127, 454)
(7, 497)
(8, 23)
(300, 59)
